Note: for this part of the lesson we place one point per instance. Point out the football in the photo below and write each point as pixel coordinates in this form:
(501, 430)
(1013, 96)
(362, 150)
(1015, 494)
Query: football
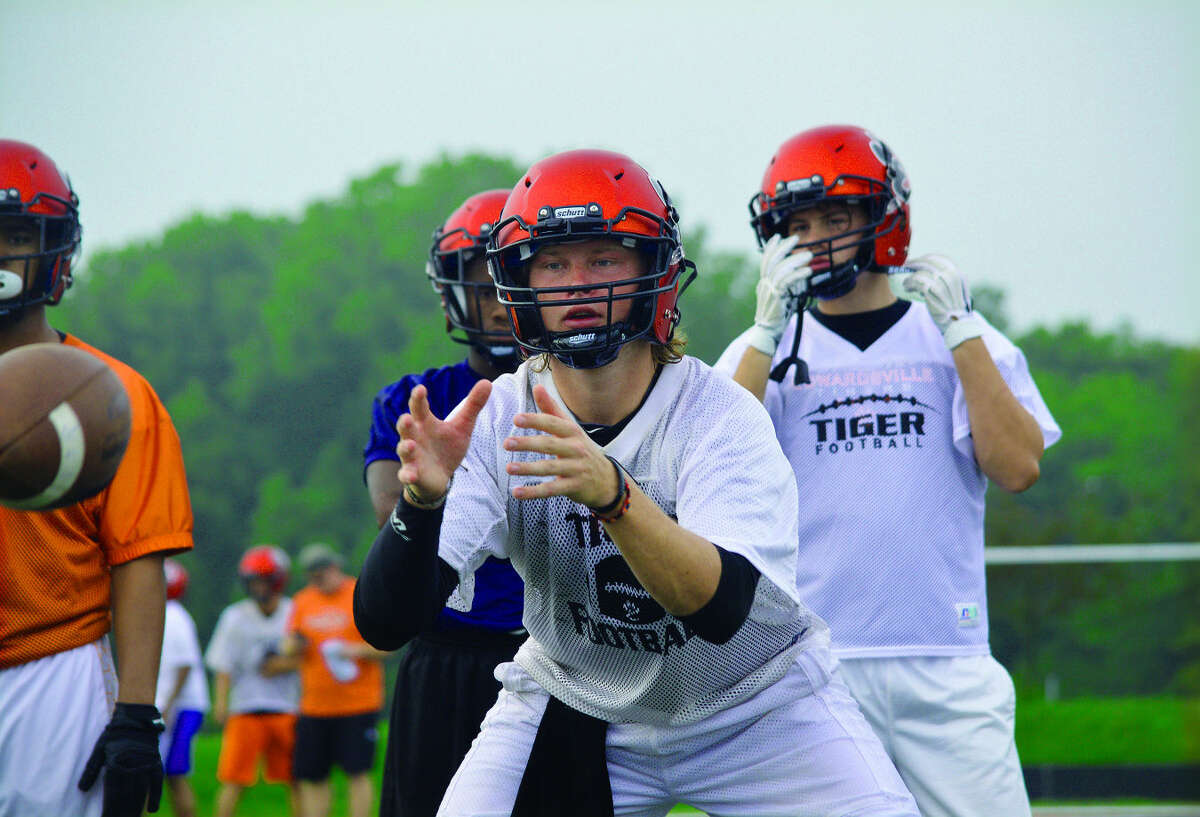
(64, 425)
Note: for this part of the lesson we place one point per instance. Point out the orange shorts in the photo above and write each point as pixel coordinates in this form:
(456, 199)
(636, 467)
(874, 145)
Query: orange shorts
(247, 738)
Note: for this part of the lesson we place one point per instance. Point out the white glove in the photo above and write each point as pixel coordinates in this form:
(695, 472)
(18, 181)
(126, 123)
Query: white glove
(936, 281)
(782, 279)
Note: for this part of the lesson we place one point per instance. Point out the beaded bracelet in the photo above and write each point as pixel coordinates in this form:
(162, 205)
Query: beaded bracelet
(617, 508)
(411, 498)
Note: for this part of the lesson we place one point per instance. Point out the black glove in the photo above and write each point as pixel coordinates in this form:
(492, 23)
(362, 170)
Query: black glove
(127, 750)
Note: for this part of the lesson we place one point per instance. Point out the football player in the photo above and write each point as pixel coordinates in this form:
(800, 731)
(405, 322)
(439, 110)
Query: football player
(182, 695)
(669, 658)
(73, 574)
(256, 691)
(430, 731)
(912, 404)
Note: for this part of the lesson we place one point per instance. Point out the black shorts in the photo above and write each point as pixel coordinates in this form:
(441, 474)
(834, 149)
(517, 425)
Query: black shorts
(349, 741)
(444, 687)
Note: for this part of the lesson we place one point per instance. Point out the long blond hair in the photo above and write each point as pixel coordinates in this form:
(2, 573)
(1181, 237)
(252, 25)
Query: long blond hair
(672, 351)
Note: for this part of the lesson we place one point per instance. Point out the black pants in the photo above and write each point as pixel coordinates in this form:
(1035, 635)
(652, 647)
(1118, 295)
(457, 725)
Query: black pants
(444, 687)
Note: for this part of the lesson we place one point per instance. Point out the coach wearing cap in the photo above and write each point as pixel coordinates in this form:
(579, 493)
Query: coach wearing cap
(341, 685)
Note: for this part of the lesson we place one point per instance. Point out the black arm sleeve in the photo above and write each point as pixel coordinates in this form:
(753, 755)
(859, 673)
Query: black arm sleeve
(726, 611)
(403, 583)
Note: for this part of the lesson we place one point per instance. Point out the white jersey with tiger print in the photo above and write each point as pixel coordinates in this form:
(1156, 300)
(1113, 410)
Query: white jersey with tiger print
(704, 450)
(891, 497)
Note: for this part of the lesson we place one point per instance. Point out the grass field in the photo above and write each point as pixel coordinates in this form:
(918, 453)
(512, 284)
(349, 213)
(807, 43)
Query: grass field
(270, 800)
(1109, 731)
(1075, 732)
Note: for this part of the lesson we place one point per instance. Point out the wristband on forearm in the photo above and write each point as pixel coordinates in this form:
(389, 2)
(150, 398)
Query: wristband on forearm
(410, 496)
(762, 339)
(617, 508)
(963, 329)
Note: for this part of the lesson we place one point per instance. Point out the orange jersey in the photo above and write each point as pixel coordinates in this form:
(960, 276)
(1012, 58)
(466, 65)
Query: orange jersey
(54, 565)
(318, 618)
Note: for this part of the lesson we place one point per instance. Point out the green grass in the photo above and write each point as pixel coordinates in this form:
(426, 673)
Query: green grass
(1092, 731)
(1109, 731)
(270, 800)
(263, 800)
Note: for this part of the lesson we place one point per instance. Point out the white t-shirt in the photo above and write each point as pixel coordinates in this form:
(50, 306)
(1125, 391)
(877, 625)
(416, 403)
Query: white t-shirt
(181, 648)
(703, 449)
(891, 499)
(241, 640)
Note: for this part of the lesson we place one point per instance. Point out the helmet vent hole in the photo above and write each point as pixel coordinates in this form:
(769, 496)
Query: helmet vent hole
(618, 175)
(839, 148)
(528, 182)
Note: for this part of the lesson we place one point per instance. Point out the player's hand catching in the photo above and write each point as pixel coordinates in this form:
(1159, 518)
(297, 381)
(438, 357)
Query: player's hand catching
(580, 469)
(783, 278)
(939, 284)
(127, 752)
(431, 449)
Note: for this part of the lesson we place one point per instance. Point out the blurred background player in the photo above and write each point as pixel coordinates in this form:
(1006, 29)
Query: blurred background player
(341, 686)
(72, 574)
(431, 730)
(182, 695)
(912, 408)
(669, 658)
(255, 698)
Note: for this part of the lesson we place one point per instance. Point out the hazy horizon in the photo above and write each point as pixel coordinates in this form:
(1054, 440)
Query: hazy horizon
(1047, 147)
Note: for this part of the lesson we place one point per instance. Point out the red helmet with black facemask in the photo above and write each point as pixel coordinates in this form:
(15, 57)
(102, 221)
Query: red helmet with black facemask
(456, 244)
(583, 195)
(37, 199)
(838, 163)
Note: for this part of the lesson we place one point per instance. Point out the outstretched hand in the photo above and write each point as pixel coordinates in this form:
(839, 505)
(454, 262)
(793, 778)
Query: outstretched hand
(431, 449)
(580, 470)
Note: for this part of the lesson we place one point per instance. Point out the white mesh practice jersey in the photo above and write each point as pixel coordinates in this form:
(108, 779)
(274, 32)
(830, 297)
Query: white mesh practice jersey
(704, 450)
(891, 499)
(241, 640)
(181, 648)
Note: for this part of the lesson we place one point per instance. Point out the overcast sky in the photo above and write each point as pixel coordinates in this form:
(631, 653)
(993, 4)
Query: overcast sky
(1047, 142)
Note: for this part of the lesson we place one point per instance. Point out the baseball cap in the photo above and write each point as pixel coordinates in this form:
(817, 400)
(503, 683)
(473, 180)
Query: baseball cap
(317, 555)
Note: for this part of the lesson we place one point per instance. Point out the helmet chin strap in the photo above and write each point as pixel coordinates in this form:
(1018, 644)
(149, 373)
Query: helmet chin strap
(847, 275)
(779, 372)
(564, 346)
(855, 268)
(843, 286)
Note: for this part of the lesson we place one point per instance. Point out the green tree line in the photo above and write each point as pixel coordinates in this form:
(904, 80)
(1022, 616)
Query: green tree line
(268, 337)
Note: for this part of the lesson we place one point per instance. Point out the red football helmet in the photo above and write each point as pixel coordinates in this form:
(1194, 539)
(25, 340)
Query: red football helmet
(266, 562)
(34, 191)
(576, 196)
(838, 161)
(177, 578)
(458, 242)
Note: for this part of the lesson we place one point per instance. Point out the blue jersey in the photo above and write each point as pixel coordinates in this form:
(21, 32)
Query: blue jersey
(499, 592)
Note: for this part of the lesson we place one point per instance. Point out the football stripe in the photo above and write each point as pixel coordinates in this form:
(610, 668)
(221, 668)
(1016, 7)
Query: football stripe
(70, 462)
